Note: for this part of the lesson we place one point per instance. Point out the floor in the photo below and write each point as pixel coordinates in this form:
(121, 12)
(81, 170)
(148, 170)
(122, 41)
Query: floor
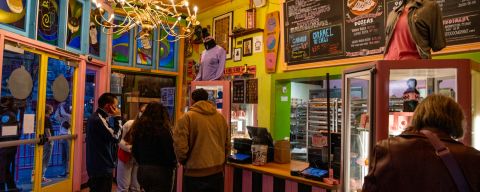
(114, 188)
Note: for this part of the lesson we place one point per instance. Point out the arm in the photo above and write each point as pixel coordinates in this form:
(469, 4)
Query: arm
(437, 30)
(221, 64)
(108, 132)
(123, 144)
(180, 139)
(378, 166)
(199, 75)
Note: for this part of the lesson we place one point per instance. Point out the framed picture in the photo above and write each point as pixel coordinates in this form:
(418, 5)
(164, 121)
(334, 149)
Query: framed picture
(237, 54)
(250, 18)
(247, 47)
(222, 28)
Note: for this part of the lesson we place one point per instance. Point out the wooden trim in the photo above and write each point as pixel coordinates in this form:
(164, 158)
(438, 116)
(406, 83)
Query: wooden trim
(146, 71)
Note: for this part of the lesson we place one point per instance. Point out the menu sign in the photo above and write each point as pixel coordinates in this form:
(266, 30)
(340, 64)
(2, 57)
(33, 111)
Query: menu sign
(318, 30)
(364, 27)
(251, 91)
(238, 93)
(313, 30)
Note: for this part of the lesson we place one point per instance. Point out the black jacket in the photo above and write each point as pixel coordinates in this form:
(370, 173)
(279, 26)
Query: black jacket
(154, 150)
(101, 141)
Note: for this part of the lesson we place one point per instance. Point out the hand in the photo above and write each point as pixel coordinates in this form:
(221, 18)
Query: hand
(115, 111)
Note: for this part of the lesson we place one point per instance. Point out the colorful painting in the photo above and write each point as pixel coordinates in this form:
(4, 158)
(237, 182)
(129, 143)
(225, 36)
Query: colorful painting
(271, 40)
(144, 50)
(48, 17)
(12, 13)
(94, 35)
(166, 51)
(74, 23)
(120, 44)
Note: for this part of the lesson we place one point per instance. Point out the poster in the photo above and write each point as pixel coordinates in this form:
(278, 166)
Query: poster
(257, 44)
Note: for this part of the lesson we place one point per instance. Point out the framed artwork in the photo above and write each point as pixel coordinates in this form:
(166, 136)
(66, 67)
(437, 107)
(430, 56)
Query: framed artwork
(48, 22)
(13, 13)
(237, 54)
(258, 44)
(94, 35)
(166, 51)
(120, 45)
(250, 18)
(144, 49)
(222, 28)
(74, 24)
(247, 47)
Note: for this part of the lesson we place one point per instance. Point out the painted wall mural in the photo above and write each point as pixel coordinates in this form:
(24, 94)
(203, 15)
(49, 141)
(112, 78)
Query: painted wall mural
(48, 17)
(94, 36)
(120, 44)
(74, 31)
(166, 52)
(12, 12)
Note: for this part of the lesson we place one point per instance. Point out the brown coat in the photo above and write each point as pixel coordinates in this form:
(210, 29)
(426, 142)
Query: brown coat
(201, 140)
(409, 163)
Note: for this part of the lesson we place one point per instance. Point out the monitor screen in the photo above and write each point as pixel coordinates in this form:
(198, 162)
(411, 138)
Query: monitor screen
(261, 133)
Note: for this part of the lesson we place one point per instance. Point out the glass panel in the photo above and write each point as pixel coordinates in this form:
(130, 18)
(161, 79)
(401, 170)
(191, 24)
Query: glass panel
(215, 95)
(409, 86)
(166, 51)
(59, 99)
(94, 35)
(18, 108)
(242, 115)
(74, 24)
(48, 19)
(120, 42)
(358, 131)
(90, 90)
(13, 13)
(133, 90)
(144, 49)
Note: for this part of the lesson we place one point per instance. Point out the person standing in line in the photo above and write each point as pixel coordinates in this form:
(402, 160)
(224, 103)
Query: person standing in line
(127, 165)
(202, 144)
(8, 112)
(414, 160)
(48, 146)
(152, 148)
(63, 118)
(101, 139)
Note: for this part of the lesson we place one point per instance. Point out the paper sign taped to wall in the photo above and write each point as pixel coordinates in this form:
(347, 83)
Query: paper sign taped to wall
(28, 123)
(284, 98)
(9, 130)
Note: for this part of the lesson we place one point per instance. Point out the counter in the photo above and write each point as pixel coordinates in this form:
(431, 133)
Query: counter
(271, 177)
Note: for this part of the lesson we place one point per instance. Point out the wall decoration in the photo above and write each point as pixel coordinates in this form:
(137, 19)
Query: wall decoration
(237, 54)
(238, 92)
(251, 90)
(144, 50)
(48, 18)
(258, 44)
(12, 13)
(74, 24)
(20, 83)
(166, 51)
(271, 40)
(94, 35)
(239, 43)
(250, 18)
(120, 43)
(247, 47)
(60, 88)
(222, 28)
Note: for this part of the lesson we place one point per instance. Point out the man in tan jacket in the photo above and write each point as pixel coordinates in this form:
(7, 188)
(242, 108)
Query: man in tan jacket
(202, 142)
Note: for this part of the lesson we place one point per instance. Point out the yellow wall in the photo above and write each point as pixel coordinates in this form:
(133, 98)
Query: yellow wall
(264, 80)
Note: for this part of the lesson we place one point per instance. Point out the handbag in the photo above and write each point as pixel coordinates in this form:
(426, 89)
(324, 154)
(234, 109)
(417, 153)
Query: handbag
(443, 152)
(124, 156)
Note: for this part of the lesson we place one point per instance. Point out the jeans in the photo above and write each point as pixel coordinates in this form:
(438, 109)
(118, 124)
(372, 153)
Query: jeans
(47, 154)
(65, 147)
(127, 176)
(7, 168)
(156, 178)
(211, 183)
(100, 183)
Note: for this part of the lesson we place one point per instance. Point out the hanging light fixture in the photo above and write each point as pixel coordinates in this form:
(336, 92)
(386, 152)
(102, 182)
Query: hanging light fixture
(148, 15)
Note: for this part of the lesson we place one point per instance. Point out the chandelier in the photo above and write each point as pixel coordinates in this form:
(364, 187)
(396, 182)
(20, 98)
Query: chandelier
(175, 19)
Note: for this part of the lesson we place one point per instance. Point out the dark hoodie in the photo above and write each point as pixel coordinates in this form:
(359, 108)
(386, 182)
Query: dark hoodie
(202, 140)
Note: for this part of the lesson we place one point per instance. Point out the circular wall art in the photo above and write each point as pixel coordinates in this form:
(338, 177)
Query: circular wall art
(60, 89)
(20, 83)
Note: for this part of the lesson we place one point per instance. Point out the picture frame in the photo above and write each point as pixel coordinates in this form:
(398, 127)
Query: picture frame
(250, 18)
(237, 54)
(222, 29)
(247, 47)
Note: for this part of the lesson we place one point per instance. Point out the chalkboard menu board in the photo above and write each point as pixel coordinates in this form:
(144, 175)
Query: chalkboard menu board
(238, 93)
(319, 30)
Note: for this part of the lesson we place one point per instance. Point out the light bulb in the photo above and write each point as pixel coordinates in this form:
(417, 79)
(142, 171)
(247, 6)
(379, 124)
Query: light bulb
(195, 8)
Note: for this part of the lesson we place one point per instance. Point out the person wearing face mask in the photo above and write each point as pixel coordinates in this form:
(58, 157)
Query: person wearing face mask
(127, 166)
(101, 140)
(212, 60)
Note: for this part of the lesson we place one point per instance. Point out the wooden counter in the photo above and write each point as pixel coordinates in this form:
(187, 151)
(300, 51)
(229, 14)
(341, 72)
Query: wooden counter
(283, 171)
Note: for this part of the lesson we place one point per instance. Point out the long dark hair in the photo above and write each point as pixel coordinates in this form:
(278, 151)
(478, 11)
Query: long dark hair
(152, 123)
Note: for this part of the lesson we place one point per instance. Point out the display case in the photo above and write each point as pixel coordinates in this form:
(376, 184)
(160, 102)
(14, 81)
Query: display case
(380, 98)
(244, 106)
(298, 129)
(218, 93)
